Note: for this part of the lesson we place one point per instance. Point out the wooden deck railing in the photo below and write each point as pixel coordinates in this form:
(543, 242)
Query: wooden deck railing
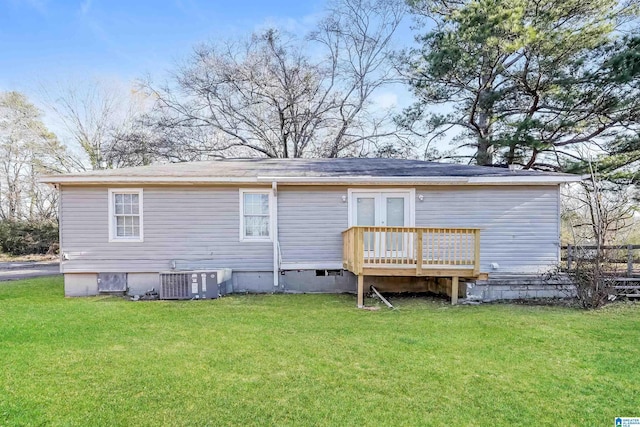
(418, 248)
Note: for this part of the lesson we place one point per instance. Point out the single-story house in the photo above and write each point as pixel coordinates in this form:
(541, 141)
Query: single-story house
(306, 225)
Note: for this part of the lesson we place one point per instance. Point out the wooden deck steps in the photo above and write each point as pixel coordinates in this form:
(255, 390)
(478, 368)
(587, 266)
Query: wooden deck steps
(627, 287)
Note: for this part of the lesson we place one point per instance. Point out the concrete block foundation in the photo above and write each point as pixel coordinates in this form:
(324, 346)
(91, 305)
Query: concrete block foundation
(312, 281)
(518, 287)
(80, 284)
(139, 283)
(317, 281)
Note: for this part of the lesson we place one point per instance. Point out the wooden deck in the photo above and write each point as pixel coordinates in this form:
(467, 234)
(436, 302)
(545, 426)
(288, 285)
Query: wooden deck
(412, 251)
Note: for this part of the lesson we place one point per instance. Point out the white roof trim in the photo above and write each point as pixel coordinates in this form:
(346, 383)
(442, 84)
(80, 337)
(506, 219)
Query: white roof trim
(343, 180)
(552, 179)
(88, 179)
(364, 179)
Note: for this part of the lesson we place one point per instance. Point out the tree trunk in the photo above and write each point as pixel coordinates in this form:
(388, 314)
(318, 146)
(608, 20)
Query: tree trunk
(484, 155)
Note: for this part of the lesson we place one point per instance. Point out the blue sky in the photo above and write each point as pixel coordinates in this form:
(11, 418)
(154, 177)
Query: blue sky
(49, 40)
(52, 44)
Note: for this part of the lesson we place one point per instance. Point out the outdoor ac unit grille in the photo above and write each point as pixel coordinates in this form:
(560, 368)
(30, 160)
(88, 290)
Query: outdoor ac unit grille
(175, 286)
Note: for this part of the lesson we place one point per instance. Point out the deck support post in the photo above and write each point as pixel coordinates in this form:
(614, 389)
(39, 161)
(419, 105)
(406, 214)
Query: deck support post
(360, 291)
(454, 290)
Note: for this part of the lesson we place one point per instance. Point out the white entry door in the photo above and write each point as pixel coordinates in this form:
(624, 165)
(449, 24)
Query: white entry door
(382, 209)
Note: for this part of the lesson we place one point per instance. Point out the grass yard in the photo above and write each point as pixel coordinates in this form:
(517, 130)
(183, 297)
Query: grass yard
(310, 360)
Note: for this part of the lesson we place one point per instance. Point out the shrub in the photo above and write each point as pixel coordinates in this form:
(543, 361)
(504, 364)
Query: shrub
(593, 275)
(28, 237)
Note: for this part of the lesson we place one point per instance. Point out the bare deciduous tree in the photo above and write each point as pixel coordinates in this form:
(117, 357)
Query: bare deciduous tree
(27, 149)
(597, 212)
(94, 115)
(279, 96)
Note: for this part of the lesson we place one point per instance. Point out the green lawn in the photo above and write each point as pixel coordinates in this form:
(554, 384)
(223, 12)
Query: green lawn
(310, 360)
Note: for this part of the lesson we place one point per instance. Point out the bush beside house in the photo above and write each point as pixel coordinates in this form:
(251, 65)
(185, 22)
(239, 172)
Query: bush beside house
(28, 237)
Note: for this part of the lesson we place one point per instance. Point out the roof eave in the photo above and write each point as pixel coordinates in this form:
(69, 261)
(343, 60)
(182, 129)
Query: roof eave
(349, 180)
(519, 180)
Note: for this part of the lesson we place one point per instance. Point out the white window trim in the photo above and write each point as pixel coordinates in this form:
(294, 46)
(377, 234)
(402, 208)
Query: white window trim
(268, 192)
(112, 228)
(411, 192)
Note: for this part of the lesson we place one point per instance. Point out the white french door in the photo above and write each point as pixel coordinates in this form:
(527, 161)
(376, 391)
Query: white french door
(382, 209)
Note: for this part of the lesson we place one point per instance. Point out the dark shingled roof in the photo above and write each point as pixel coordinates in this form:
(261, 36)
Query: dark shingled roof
(341, 167)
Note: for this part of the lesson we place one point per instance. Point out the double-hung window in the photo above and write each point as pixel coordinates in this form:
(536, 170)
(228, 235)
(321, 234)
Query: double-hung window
(255, 214)
(125, 215)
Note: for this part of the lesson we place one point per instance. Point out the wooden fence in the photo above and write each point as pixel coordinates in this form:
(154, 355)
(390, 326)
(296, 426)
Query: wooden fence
(625, 258)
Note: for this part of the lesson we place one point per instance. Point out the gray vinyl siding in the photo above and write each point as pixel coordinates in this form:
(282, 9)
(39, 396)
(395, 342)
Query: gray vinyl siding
(519, 225)
(199, 226)
(190, 225)
(311, 221)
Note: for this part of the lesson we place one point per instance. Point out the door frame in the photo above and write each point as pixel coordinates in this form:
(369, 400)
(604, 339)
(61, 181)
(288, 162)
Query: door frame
(380, 210)
(410, 192)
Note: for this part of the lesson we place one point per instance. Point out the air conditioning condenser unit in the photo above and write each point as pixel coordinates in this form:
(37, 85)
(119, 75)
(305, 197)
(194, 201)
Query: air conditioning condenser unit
(194, 284)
